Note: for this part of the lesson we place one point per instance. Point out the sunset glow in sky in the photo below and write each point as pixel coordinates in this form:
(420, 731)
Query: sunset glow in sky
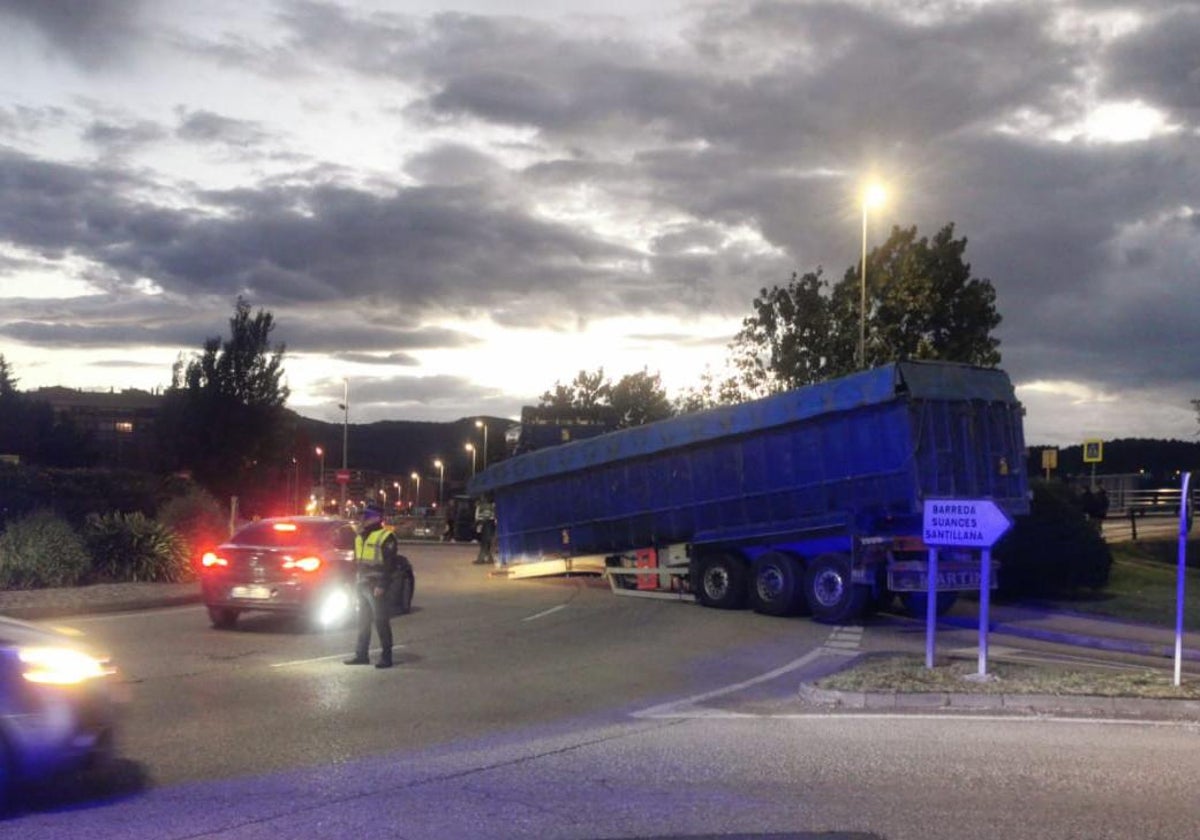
(454, 205)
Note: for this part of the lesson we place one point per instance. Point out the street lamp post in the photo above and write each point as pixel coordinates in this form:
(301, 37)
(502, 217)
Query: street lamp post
(872, 197)
(470, 447)
(295, 484)
(441, 468)
(321, 455)
(479, 424)
(396, 484)
(417, 478)
(345, 407)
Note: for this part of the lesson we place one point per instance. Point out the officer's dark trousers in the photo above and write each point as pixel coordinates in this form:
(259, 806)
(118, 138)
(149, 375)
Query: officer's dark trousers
(377, 611)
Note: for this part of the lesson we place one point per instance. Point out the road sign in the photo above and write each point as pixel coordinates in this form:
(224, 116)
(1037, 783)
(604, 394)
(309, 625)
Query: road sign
(1093, 451)
(343, 476)
(964, 523)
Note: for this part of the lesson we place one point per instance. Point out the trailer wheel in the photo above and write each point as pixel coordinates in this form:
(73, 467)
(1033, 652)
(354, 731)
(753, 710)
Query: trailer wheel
(831, 591)
(916, 603)
(777, 584)
(721, 581)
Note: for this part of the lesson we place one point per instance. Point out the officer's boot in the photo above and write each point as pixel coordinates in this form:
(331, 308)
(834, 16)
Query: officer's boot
(385, 659)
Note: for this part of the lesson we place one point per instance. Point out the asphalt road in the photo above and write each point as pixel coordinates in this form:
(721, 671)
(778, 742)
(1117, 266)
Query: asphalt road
(556, 709)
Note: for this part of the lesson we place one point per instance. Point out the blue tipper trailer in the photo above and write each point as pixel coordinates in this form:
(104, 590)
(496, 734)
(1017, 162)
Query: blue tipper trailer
(805, 502)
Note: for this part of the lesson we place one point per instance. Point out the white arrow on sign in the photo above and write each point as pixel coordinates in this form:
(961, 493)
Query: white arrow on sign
(964, 523)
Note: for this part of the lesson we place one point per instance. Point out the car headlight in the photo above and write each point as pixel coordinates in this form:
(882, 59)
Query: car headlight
(60, 665)
(335, 607)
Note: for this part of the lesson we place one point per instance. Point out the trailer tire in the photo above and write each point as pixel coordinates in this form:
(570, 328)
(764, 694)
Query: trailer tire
(831, 592)
(720, 580)
(777, 584)
(916, 603)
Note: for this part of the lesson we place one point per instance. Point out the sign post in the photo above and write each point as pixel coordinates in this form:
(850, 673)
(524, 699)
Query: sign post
(962, 523)
(1185, 503)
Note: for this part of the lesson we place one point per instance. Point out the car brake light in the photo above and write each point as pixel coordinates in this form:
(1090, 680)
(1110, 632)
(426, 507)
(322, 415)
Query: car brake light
(284, 526)
(304, 564)
(211, 560)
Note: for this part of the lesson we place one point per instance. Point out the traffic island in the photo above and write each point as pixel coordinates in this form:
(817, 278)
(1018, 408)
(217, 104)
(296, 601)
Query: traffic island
(901, 682)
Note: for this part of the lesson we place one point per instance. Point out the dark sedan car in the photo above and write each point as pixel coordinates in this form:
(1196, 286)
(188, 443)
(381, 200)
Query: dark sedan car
(298, 565)
(58, 705)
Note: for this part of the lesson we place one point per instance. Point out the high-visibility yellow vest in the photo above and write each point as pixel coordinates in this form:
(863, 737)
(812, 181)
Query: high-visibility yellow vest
(369, 551)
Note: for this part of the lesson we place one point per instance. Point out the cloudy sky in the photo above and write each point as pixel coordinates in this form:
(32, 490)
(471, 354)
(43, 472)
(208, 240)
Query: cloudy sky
(453, 205)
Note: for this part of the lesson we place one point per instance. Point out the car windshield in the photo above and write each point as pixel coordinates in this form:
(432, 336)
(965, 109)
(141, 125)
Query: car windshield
(283, 533)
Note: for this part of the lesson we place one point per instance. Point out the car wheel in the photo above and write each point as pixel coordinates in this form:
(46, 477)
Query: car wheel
(6, 778)
(404, 595)
(223, 618)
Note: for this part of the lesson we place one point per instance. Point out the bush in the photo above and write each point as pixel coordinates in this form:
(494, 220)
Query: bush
(1054, 551)
(132, 547)
(41, 549)
(197, 517)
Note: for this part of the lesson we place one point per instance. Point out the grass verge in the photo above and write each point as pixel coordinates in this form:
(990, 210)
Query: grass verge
(1142, 588)
(1142, 585)
(905, 674)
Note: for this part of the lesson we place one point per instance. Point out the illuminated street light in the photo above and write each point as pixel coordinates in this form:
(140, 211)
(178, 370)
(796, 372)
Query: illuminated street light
(399, 493)
(441, 468)
(321, 454)
(417, 495)
(873, 196)
(479, 424)
(470, 447)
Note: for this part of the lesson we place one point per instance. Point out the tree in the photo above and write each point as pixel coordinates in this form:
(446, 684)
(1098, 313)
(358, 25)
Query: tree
(922, 303)
(637, 398)
(587, 390)
(223, 417)
(8, 383)
(30, 429)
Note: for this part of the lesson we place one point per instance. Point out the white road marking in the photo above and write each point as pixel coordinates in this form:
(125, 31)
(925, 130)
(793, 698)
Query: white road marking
(545, 613)
(842, 641)
(679, 708)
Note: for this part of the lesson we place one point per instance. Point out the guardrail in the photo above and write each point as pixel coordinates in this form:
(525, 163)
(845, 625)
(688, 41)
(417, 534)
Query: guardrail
(1145, 514)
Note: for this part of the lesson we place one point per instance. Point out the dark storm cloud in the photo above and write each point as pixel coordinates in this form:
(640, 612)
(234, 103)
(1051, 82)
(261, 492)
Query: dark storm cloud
(1161, 64)
(464, 248)
(114, 138)
(405, 359)
(207, 127)
(93, 335)
(90, 32)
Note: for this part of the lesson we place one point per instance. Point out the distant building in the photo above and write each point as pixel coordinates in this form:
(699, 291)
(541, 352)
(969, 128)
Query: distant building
(120, 423)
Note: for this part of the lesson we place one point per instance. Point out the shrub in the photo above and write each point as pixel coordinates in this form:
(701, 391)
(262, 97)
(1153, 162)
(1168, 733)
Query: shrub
(41, 549)
(133, 547)
(197, 517)
(1054, 550)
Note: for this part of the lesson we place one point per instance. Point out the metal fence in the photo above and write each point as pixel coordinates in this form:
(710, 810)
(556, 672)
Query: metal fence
(1146, 514)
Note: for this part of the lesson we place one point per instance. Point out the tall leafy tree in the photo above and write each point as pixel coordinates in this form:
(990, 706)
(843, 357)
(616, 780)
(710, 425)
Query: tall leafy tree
(30, 429)
(636, 399)
(639, 398)
(8, 382)
(922, 303)
(223, 417)
(586, 390)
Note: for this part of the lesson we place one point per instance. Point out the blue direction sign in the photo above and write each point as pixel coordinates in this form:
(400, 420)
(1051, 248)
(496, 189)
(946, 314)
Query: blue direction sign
(964, 523)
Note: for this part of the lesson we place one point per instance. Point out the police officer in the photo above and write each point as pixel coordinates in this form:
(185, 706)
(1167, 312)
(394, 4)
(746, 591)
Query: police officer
(377, 559)
(485, 529)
